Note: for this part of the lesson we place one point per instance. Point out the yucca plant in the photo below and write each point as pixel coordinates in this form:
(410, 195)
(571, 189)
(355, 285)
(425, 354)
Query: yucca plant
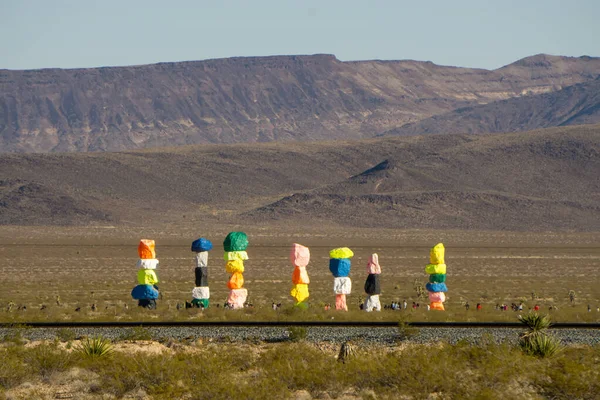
(535, 322)
(535, 340)
(541, 345)
(95, 347)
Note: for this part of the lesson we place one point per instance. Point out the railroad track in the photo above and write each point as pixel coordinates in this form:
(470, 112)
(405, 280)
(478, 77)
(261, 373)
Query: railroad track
(259, 324)
(383, 332)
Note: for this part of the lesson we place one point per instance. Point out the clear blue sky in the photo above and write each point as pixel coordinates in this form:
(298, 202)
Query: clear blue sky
(473, 33)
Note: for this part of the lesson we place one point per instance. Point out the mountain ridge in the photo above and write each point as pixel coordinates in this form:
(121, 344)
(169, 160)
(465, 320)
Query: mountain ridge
(251, 99)
(574, 105)
(544, 180)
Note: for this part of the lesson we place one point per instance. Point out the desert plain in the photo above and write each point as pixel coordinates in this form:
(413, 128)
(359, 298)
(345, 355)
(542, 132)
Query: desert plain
(58, 273)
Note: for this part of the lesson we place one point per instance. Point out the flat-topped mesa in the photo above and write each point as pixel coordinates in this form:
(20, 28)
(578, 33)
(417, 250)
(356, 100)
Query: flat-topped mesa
(252, 99)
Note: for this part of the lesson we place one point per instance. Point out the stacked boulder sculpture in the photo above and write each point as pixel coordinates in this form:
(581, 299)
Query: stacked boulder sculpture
(437, 277)
(339, 265)
(235, 245)
(372, 284)
(146, 292)
(300, 256)
(201, 292)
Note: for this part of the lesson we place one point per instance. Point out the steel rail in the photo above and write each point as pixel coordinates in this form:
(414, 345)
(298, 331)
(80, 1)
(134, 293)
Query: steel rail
(331, 324)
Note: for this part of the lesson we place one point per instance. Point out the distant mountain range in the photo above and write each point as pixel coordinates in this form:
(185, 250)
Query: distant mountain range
(542, 180)
(284, 98)
(574, 105)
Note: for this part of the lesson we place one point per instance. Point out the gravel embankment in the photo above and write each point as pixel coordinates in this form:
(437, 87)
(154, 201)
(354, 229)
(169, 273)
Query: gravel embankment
(314, 334)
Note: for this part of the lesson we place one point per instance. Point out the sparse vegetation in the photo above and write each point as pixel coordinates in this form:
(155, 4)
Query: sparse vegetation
(137, 333)
(540, 345)
(536, 341)
(297, 333)
(514, 271)
(419, 289)
(66, 335)
(405, 331)
(96, 347)
(14, 336)
(46, 359)
(277, 371)
(572, 296)
(347, 351)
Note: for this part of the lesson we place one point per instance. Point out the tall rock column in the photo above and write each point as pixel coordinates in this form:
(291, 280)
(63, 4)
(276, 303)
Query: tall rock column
(300, 256)
(373, 285)
(437, 277)
(201, 293)
(339, 265)
(146, 292)
(235, 245)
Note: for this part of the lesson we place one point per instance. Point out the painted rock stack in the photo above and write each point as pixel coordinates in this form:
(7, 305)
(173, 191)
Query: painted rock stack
(300, 256)
(201, 293)
(146, 292)
(235, 245)
(437, 277)
(339, 265)
(372, 285)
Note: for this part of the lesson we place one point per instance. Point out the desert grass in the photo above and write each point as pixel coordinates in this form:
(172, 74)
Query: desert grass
(282, 370)
(78, 278)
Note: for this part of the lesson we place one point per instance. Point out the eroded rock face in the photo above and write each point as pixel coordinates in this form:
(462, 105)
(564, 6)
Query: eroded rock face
(574, 105)
(254, 99)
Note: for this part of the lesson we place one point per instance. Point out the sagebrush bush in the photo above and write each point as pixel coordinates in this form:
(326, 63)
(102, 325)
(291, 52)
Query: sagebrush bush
(575, 374)
(406, 332)
(13, 369)
(66, 335)
(14, 336)
(136, 333)
(46, 359)
(297, 333)
(302, 366)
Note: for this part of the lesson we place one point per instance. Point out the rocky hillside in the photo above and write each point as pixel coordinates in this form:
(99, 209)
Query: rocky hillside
(546, 180)
(254, 99)
(574, 105)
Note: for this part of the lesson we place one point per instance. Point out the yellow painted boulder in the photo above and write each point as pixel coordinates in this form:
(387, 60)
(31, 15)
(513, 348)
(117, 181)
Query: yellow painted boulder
(147, 277)
(234, 266)
(299, 292)
(235, 255)
(341, 252)
(435, 268)
(436, 254)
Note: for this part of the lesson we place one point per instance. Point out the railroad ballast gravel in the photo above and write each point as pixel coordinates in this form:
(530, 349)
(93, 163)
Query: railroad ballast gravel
(383, 335)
